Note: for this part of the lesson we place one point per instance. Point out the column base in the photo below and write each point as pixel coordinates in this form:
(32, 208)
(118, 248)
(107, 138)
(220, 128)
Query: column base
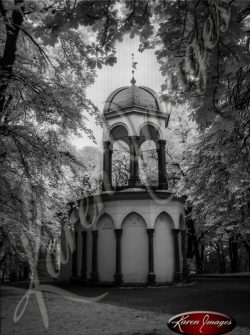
(118, 279)
(84, 276)
(177, 277)
(134, 182)
(185, 278)
(151, 278)
(107, 188)
(94, 277)
(163, 185)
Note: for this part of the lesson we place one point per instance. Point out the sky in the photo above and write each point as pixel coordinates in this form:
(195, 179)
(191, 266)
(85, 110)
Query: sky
(109, 78)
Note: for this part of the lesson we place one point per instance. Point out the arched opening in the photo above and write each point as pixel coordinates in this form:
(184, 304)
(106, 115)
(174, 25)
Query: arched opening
(149, 132)
(120, 164)
(148, 163)
(164, 248)
(106, 248)
(134, 245)
(118, 133)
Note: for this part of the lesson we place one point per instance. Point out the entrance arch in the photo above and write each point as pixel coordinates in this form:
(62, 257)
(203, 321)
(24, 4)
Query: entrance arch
(164, 248)
(134, 244)
(106, 248)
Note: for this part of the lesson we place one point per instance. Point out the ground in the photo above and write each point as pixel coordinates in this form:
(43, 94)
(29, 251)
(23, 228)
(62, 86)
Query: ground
(127, 311)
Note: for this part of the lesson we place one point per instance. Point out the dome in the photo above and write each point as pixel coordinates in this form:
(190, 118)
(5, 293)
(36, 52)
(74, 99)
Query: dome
(132, 96)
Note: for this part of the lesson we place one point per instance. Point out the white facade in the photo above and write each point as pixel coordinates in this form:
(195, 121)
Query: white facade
(134, 217)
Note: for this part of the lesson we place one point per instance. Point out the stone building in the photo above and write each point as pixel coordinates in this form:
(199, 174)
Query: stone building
(135, 233)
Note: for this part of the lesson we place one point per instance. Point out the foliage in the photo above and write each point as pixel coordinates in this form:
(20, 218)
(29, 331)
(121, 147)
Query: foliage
(44, 75)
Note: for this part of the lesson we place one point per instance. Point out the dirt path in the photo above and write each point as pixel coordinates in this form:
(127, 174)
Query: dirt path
(69, 317)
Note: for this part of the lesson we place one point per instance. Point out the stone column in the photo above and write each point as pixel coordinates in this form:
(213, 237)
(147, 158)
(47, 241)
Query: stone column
(74, 257)
(94, 273)
(84, 255)
(151, 274)
(175, 233)
(118, 274)
(107, 167)
(184, 257)
(134, 180)
(162, 172)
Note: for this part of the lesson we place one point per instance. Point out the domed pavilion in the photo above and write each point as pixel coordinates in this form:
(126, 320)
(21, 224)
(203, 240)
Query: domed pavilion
(129, 234)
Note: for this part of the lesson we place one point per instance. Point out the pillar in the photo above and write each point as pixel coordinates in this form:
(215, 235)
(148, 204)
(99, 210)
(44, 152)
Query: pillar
(134, 180)
(94, 273)
(151, 274)
(84, 255)
(175, 233)
(107, 167)
(184, 275)
(162, 173)
(74, 257)
(118, 274)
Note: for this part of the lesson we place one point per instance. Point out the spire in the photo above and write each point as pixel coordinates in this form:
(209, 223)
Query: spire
(133, 81)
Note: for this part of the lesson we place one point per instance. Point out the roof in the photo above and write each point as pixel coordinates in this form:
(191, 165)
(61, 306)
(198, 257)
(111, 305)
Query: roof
(132, 96)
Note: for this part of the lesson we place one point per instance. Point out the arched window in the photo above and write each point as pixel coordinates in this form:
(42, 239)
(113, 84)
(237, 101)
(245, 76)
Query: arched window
(118, 133)
(149, 132)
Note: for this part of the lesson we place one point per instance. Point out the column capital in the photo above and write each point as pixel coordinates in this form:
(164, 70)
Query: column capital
(175, 231)
(150, 231)
(106, 144)
(134, 138)
(118, 232)
(94, 233)
(162, 142)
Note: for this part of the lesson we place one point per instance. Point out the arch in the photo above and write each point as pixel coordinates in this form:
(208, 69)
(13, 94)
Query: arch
(101, 214)
(118, 132)
(129, 211)
(150, 131)
(170, 218)
(134, 246)
(163, 248)
(106, 245)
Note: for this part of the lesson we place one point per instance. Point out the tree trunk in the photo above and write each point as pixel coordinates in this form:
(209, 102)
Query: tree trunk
(233, 251)
(221, 257)
(247, 246)
(13, 26)
(192, 239)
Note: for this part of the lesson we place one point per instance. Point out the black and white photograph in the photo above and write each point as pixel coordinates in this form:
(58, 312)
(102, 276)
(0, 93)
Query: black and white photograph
(124, 167)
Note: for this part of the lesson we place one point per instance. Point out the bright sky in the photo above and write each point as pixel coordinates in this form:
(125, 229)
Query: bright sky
(147, 73)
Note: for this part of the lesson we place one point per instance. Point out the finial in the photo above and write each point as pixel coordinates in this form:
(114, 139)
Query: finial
(133, 81)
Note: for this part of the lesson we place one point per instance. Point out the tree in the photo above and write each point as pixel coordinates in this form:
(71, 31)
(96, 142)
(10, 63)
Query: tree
(44, 74)
(205, 45)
